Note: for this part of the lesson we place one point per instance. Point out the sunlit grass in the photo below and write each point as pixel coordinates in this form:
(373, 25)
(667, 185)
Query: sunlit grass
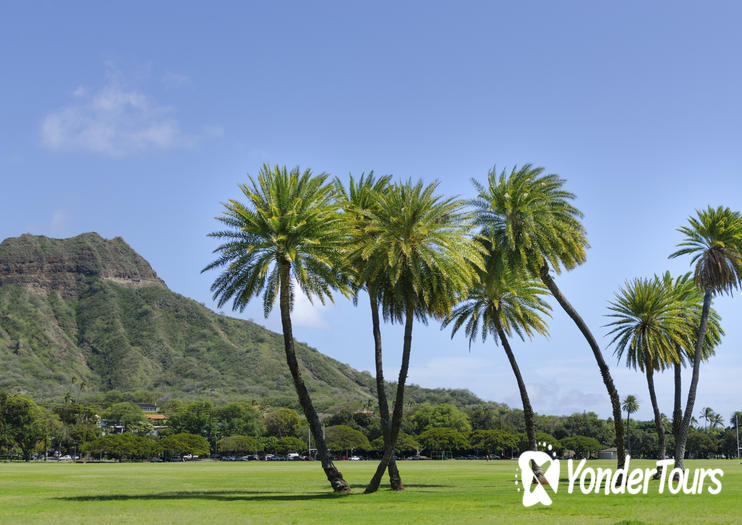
(257, 492)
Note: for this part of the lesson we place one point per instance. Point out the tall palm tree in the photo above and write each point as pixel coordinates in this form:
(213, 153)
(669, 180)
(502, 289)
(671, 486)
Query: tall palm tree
(630, 405)
(690, 301)
(713, 239)
(505, 301)
(530, 216)
(649, 327)
(288, 233)
(357, 203)
(421, 243)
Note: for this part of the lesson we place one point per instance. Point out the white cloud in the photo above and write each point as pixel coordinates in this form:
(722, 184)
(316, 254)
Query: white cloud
(113, 120)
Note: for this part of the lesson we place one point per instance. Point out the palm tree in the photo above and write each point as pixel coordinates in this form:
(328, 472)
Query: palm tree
(357, 203)
(529, 215)
(505, 301)
(707, 414)
(648, 328)
(717, 420)
(630, 405)
(713, 239)
(421, 244)
(287, 234)
(690, 301)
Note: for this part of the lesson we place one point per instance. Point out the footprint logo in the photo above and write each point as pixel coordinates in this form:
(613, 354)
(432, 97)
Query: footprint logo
(534, 493)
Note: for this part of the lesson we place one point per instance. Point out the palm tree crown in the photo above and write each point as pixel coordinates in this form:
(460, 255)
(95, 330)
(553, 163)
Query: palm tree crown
(713, 239)
(501, 295)
(290, 217)
(421, 246)
(529, 215)
(630, 404)
(689, 299)
(649, 324)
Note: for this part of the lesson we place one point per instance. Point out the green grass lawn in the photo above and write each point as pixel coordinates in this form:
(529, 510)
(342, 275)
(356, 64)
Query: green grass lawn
(258, 492)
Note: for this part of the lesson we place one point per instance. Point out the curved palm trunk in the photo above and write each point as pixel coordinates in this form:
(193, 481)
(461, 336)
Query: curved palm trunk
(657, 419)
(339, 485)
(395, 480)
(373, 485)
(682, 438)
(527, 410)
(604, 371)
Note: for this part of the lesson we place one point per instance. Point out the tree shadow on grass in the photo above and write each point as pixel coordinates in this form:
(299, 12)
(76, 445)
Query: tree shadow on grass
(215, 495)
(227, 495)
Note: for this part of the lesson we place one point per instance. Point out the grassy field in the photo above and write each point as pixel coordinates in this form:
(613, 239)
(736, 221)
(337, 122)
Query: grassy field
(257, 492)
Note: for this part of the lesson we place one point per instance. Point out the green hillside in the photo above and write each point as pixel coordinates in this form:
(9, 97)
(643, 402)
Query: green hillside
(91, 312)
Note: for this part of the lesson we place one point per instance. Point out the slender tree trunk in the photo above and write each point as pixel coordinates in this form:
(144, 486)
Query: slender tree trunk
(395, 480)
(604, 371)
(628, 431)
(677, 412)
(683, 430)
(657, 418)
(339, 485)
(373, 485)
(527, 410)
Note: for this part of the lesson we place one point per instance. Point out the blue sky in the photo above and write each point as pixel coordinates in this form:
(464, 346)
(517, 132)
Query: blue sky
(137, 120)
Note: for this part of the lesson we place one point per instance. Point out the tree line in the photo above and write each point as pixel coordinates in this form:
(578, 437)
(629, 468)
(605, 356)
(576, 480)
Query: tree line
(240, 428)
(485, 265)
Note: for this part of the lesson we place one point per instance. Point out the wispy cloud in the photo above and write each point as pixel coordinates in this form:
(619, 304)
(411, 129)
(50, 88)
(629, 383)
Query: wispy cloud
(112, 120)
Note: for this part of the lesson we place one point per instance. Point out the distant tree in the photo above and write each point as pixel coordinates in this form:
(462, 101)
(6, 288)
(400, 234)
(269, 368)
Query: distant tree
(125, 413)
(290, 444)
(443, 439)
(707, 414)
(239, 445)
(493, 441)
(406, 444)
(541, 437)
(282, 422)
(482, 417)
(344, 438)
(195, 418)
(630, 405)
(21, 423)
(581, 444)
(122, 446)
(269, 443)
(239, 418)
(443, 415)
(183, 444)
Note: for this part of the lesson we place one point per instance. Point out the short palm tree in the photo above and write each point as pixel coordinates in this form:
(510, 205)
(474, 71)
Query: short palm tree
(287, 234)
(648, 327)
(716, 421)
(530, 216)
(422, 245)
(630, 405)
(358, 202)
(713, 240)
(504, 302)
(707, 414)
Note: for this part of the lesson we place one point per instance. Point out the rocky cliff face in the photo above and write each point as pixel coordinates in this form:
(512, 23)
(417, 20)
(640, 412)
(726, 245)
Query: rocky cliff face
(43, 264)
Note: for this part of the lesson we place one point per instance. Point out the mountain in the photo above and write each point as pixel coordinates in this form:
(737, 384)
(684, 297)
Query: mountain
(91, 315)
